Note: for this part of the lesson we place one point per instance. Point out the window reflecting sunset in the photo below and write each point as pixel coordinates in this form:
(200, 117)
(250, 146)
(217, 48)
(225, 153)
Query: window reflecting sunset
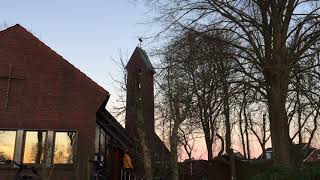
(34, 148)
(64, 147)
(7, 143)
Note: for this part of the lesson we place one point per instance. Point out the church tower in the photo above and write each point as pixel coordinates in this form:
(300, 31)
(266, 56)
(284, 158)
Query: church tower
(140, 79)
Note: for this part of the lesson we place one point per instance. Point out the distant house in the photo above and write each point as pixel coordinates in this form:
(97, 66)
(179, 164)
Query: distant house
(267, 154)
(313, 156)
(304, 151)
(216, 168)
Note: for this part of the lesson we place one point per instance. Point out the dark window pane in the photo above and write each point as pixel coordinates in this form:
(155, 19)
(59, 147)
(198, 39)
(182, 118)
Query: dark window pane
(108, 139)
(102, 142)
(108, 144)
(34, 147)
(64, 147)
(96, 141)
(7, 143)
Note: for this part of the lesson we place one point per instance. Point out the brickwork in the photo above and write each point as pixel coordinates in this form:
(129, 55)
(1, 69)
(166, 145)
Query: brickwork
(50, 94)
(140, 64)
(135, 64)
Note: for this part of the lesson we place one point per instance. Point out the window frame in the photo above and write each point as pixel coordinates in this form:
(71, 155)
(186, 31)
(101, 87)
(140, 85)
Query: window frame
(73, 149)
(14, 147)
(107, 143)
(19, 147)
(24, 146)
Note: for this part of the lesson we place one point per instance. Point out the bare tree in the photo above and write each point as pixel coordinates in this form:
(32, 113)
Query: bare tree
(203, 73)
(119, 107)
(260, 131)
(274, 36)
(188, 138)
(177, 99)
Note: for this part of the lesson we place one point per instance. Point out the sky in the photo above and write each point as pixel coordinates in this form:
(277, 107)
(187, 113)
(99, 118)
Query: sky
(86, 33)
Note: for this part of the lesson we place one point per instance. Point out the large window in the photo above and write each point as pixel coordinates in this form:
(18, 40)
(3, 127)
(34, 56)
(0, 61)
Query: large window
(102, 141)
(34, 147)
(64, 148)
(7, 143)
(45, 147)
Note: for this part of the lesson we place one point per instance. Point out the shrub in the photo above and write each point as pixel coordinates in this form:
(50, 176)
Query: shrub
(284, 173)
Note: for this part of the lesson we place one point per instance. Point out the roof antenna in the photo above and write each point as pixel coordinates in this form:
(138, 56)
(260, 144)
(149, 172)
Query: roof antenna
(140, 40)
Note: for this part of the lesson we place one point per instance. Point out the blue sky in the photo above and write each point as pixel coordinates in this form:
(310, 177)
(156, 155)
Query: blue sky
(86, 33)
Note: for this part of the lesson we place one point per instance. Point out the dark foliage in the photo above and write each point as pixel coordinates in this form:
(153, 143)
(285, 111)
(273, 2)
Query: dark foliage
(283, 173)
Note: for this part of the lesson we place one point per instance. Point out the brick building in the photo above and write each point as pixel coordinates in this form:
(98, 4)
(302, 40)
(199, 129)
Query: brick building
(52, 116)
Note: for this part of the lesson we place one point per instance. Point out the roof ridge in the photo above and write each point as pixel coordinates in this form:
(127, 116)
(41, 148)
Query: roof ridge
(146, 59)
(12, 27)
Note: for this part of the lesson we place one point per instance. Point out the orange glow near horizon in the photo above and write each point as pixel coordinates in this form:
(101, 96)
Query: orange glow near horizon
(200, 149)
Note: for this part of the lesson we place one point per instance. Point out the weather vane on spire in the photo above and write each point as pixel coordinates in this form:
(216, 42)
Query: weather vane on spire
(140, 41)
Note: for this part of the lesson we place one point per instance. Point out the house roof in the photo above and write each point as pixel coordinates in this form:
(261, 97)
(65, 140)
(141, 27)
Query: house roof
(52, 93)
(303, 149)
(115, 129)
(18, 29)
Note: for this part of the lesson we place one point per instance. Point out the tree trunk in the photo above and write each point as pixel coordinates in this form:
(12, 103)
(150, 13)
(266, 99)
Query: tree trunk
(246, 131)
(209, 149)
(228, 126)
(263, 149)
(247, 141)
(299, 117)
(146, 156)
(233, 167)
(222, 144)
(242, 136)
(143, 141)
(174, 175)
(278, 118)
(226, 112)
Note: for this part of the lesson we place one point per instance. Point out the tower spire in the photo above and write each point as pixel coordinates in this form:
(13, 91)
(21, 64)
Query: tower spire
(140, 75)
